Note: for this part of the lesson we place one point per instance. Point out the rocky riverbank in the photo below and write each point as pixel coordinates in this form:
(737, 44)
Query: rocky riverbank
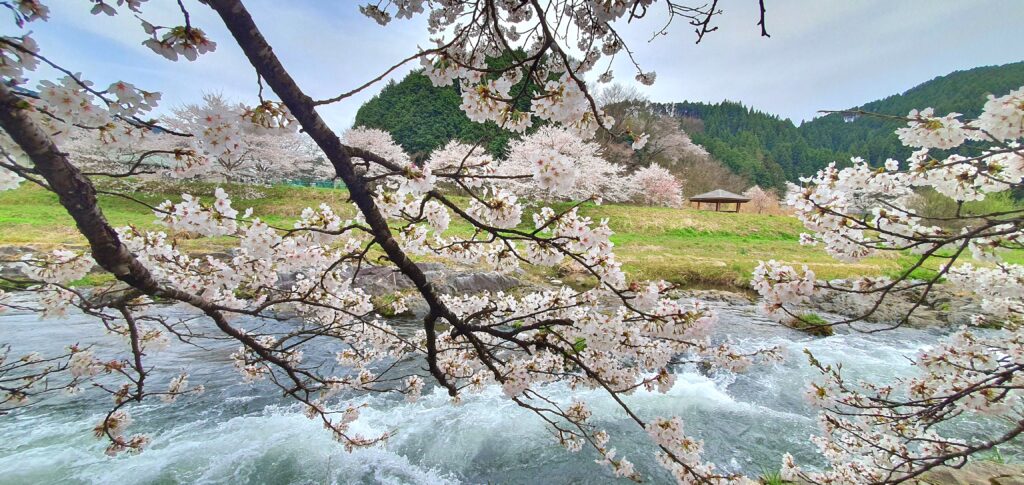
(942, 305)
(974, 473)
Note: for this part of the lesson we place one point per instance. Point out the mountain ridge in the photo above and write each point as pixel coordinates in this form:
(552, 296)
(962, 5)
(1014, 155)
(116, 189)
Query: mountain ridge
(763, 147)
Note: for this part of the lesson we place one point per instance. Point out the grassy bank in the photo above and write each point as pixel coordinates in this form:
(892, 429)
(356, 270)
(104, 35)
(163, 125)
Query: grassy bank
(696, 248)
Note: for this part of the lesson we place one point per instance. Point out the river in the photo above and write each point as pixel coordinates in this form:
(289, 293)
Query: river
(241, 433)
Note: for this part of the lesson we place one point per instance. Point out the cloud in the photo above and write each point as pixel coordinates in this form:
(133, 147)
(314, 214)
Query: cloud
(329, 48)
(825, 55)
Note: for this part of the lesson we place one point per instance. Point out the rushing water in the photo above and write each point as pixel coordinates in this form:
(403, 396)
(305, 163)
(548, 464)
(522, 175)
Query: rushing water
(241, 433)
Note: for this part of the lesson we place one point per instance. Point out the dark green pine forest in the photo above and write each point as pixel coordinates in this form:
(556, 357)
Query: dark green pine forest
(872, 138)
(761, 147)
(422, 117)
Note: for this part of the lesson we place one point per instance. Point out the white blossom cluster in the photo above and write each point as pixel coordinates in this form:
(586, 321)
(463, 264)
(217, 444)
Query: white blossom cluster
(472, 164)
(60, 266)
(113, 426)
(655, 185)
(73, 102)
(1001, 288)
(685, 460)
(925, 130)
(227, 133)
(238, 142)
(17, 55)
(84, 363)
(874, 432)
(468, 37)
(189, 43)
(378, 142)
(563, 166)
(262, 253)
(780, 285)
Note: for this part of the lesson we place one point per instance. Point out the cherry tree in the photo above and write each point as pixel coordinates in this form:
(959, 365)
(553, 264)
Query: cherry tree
(566, 167)
(761, 201)
(667, 143)
(657, 186)
(662, 139)
(148, 154)
(467, 342)
(619, 336)
(255, 155)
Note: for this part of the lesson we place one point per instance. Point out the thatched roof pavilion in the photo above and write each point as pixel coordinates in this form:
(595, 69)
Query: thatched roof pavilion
(719, 197)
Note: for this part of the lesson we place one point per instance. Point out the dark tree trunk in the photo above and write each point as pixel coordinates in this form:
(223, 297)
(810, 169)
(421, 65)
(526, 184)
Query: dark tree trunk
(78, 196)
(75, 191)
(269, 67)
(262, 57)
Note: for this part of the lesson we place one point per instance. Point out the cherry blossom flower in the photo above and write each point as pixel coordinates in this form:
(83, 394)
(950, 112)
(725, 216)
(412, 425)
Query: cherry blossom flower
(646, 78)
(60, 266)
(640, 142)
(779, 285)
(83, 363)
(1002, 118)
(189, 42)
(32, 10)
(925, 130)
(15, 61)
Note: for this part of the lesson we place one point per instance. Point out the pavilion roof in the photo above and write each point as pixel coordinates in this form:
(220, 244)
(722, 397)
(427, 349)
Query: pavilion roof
(719, 196)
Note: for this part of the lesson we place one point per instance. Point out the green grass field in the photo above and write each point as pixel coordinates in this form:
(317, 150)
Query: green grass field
(687, 246)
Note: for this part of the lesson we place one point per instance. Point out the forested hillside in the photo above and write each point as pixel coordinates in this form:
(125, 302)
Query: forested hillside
(761, 147)
(422, 117)
(873, 138)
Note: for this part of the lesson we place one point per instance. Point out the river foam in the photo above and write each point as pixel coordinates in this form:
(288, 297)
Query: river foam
(240, 433)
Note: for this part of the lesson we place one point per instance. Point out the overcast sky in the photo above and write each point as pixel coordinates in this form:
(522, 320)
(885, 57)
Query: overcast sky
(822, 54)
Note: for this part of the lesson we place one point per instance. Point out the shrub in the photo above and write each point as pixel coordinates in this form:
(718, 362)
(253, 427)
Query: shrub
(813, 324)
